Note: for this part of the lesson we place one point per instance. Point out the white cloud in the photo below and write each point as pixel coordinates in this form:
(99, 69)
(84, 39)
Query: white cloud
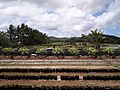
(61, 17)
(111, 17)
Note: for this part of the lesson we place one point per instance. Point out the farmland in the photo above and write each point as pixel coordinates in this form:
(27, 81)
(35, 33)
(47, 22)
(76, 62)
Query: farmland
(59, 76)
(87, 64)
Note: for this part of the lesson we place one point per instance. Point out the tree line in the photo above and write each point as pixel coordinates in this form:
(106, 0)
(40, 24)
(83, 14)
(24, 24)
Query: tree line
(22, 35)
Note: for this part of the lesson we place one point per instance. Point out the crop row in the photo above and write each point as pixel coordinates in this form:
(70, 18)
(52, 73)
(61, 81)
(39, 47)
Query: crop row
(59, 70)
(70, 77)
(54, 77)
(28, 87)
(27, 77)
(92, 77)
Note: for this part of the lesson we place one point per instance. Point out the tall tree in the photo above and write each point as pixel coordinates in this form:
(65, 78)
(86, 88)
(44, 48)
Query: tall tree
(11, 32)
(4, 41)
(24, 35)
(96, 37)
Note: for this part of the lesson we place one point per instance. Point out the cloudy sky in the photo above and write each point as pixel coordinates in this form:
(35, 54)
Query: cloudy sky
(62, 18)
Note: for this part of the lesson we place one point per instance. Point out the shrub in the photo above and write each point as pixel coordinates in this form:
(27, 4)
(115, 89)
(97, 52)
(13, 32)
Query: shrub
(24, 51)
(57, 51)
(7, 50)
(1, 48)
(41, 51)
(73, 51)
(92, 52)
(109, 52)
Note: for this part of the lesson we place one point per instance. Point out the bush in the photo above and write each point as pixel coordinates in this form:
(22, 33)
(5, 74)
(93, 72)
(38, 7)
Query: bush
(92, 52)
(24, 51)
(7, 50)
(41, 51)
(58, 52)
(73, 51)
(1, 48)
(109, 52)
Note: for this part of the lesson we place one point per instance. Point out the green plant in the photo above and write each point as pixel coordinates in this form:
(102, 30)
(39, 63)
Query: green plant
(73, 51)
(7, 49)
(92, 51)
(118, 49)
(23, 51)
(109, 51)
(96, 38)
(57, 51)
(41, 51)
(1, 47)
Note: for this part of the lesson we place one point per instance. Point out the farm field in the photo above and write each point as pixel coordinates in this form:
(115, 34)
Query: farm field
(60, 75)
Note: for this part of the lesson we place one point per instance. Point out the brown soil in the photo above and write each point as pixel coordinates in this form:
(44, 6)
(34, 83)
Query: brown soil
(57, 66)
(61, 83)
(52, 57)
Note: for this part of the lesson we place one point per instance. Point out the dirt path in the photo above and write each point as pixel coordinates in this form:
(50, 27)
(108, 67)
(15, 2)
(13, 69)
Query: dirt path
(61, 83)
(74, 61)
(89, 67)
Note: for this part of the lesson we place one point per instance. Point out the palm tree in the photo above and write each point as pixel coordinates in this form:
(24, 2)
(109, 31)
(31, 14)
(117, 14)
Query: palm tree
(96, 37)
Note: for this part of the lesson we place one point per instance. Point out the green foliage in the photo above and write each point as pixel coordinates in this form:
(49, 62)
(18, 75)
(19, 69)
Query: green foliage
(7, 49)
(109, 50)
(118, 48)
(1, 48)
(41, 50)
(96, 37)
(91, 51)
(4, 41)
(23, 51)
(24, 35)
(57, 51)
(73, 51)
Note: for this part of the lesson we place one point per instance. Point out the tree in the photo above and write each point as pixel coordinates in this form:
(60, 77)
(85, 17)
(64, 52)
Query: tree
(96, 37)
(24, 35)
(11, 32)
(4, 41)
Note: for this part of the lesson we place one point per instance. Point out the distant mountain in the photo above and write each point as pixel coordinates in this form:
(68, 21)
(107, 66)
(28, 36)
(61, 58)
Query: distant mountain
(56, 39)
(111, 39)
(108, 39)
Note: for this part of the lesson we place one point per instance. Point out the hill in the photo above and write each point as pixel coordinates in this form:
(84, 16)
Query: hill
(110, 39)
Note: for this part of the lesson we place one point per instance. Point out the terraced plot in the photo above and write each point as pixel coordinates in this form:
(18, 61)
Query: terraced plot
(59, 77)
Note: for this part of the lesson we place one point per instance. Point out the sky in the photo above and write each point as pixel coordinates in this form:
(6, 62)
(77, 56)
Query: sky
(62, 18)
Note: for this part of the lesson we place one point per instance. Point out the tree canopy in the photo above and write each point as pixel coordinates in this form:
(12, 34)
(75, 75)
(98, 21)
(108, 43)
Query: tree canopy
(24, 35)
